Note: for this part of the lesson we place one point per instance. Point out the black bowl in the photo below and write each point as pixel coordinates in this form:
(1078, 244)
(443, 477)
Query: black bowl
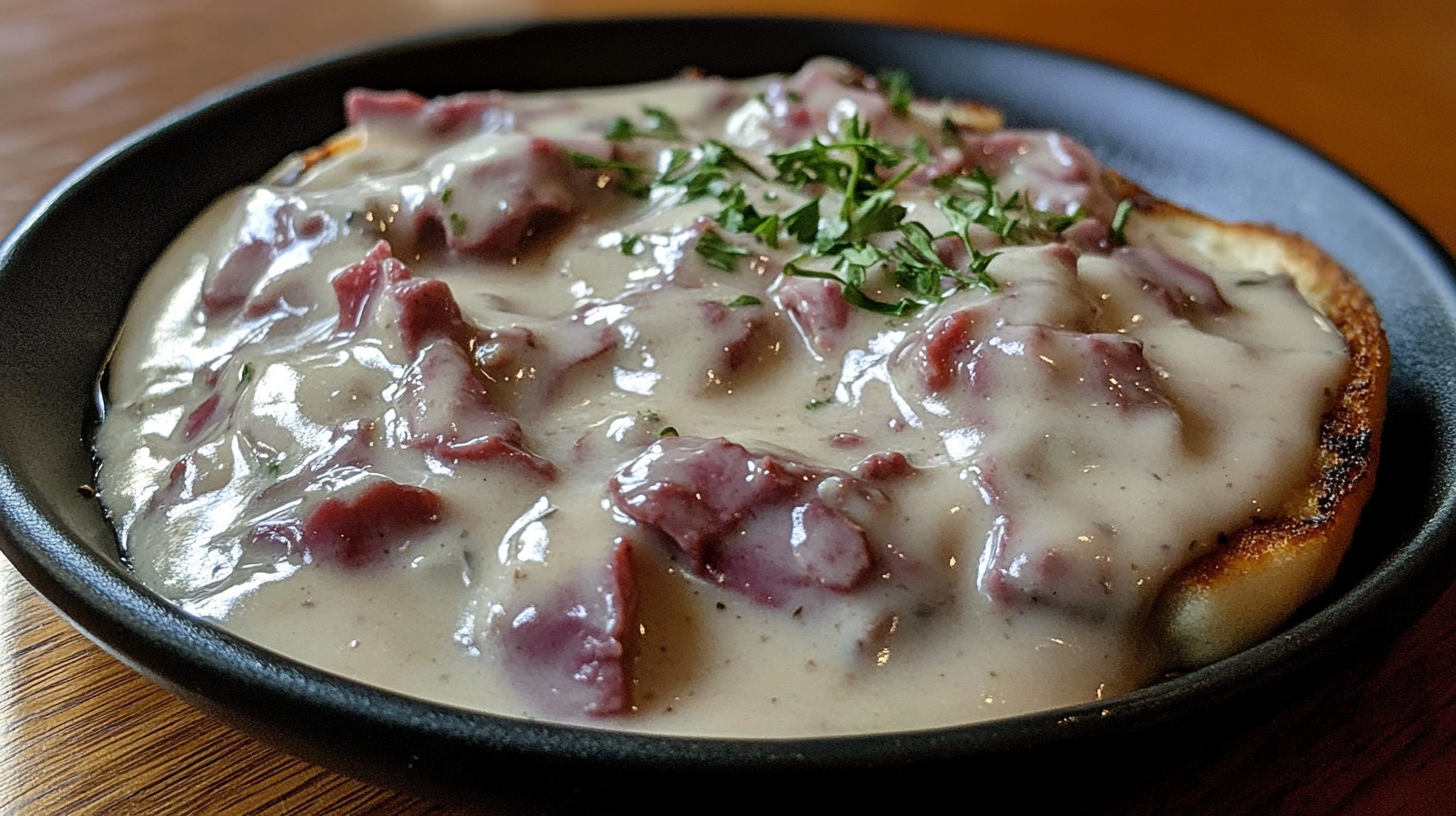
(67, 273)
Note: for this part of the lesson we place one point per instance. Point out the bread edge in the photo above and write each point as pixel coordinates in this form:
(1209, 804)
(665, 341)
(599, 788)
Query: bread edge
(1259, 576)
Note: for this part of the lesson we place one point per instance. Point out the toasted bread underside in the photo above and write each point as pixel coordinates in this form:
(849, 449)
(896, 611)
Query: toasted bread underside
(1244, 590)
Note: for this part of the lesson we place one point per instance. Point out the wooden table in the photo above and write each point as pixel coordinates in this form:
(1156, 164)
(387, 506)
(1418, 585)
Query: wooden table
(1371, 85)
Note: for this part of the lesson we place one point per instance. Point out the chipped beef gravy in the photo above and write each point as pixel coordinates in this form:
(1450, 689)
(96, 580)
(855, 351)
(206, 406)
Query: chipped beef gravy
(481, 406)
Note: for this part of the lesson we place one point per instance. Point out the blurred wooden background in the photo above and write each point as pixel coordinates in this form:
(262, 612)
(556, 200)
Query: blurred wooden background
(1371, 85)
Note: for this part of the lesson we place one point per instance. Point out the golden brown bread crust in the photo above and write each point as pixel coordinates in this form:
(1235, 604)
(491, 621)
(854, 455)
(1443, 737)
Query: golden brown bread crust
(1243, 591)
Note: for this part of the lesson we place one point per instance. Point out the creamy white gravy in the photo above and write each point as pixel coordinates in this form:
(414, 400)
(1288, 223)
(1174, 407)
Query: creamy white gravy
(1070, 439)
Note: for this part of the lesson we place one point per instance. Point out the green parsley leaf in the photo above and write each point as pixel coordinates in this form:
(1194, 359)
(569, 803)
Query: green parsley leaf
(856, 297)
(718, 253)
(817, 403)
(674, 160)
(620, 129)
(702, 182)
(851, 292)
(744, 300)
(457, 224)
(245, 375)
(919, 149)
(1119, 221)
(659, 125)
(666, 432)
(586, 161)
(918, 268)
(1056, 222)
(447, 194)
(631, 244)
(896, 85)
(737, 214)
(979, 264)
(877, 213)
(856, 259)
(802, 222)
(950, 133)
(717, 154)
(635, 178)
(767, 231)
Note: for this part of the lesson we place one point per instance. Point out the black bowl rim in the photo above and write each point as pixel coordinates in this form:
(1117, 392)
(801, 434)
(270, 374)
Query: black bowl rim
(152, 636)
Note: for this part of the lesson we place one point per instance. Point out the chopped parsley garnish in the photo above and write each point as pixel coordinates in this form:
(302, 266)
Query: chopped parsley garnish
(767, 231)
(918, 267)
(274, 468)
(635, 179)
(974, 199)
(666, 432)
(457, 224)
(631, 244)
(658, 125)
(817, 403)
(802, 222)
(1119, 221)
(1055, 222)
(744, 300)
(849, 165)
(920, 149)
(852, 284)
(718, 253)
(950, 133)
(737, 214)
(717, 154)
(245, 376)
(869, 233)
(710, 175)
(896, 85)
(586, 161)
(447, 194)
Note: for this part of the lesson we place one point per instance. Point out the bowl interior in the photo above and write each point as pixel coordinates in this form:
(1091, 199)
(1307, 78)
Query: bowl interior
(67, 272)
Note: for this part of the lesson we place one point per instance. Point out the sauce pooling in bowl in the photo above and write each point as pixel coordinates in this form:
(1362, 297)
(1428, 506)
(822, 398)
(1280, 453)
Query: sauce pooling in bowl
(787, 406)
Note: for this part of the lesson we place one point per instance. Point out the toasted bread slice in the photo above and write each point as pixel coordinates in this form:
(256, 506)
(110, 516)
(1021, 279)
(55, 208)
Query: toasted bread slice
(1260, 575)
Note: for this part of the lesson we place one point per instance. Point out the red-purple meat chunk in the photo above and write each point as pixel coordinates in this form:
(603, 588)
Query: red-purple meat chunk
(1051, 170)
(1091, 369)
(569, 651)
(1022, 566)
(443, 116)
(818, 309)
(360, 284)
(739, 334)
(1183, 289)
(447, 408)
(273, 225)
(753, 524)
(449, 413)
(365, 529)
(496, 198)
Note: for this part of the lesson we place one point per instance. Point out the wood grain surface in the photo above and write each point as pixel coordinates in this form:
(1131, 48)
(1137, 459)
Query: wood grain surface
(1371, 85)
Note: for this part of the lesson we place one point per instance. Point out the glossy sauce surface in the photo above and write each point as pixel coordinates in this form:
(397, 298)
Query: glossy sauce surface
(1069, 438)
